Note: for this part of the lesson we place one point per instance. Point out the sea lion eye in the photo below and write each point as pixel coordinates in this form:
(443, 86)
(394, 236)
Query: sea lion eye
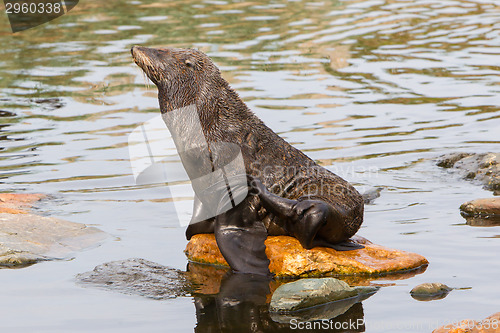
(188, 63)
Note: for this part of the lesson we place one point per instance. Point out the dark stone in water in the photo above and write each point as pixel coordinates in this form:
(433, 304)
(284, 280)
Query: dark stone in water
(5, 113)
(138, 277)
(430, 291)
(481, 167)
(50, 103)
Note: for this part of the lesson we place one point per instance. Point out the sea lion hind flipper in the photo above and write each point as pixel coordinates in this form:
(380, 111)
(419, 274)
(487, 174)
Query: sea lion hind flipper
(313, 222)
(347, 246)
(242, 243)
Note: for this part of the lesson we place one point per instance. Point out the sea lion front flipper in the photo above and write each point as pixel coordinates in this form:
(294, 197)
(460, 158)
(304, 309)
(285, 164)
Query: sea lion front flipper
(240, 236)
(199, 224)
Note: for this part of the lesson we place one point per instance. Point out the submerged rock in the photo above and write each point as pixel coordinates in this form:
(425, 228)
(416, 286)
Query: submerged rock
(482, 167)
(306, 293)
(138, 277)
(17, 203)
(490, 324)
(26, 238)
(289, 259)
(430, 291)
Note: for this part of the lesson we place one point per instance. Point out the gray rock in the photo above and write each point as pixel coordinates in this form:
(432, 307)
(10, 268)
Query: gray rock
(430, 291)
(329, 311)
(306, 293)
(371, 194)
(26, 239)
(138, 277)
(484, 168)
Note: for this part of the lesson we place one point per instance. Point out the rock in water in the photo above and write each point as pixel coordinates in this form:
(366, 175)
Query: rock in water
(306, 293)
(138, 277)
(430, 291)
(17, 203)
(26, 238)
(482, 167)
(489, 207)
(289, 259)
(371, 194)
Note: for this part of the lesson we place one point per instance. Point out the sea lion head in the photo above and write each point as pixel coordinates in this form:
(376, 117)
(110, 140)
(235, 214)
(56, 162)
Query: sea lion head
(183, 76)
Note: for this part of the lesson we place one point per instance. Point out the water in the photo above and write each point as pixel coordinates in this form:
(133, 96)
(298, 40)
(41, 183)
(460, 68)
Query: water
(373, 90)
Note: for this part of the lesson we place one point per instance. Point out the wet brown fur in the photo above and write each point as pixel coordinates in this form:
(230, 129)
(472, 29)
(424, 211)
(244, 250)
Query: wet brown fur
(188, 76)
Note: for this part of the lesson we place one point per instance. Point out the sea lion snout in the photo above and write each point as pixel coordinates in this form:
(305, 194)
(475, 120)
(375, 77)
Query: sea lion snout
(183, 76)
(149, 60)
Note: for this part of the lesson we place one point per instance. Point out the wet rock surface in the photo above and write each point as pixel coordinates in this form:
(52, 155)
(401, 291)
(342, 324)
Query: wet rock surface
(307, 293)
(289, 259)
(371, 194)
(430, 291)
(482, 212)
(17, 203)
(138, 277)
(490, 324)
(488, 207)
(26, 238)
(484, 168)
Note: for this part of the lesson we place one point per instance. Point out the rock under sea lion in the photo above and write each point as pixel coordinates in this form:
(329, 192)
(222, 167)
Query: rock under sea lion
(289, 193)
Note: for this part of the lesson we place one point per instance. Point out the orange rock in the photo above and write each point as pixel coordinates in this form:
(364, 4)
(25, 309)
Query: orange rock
(487, 325)
(7, 210)
(17, 203)
(289, 259)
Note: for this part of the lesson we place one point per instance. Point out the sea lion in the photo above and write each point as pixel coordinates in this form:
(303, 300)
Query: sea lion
(289, 194)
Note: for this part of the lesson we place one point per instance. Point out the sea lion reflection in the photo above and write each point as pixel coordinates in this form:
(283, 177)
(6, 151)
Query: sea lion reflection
(241, 306)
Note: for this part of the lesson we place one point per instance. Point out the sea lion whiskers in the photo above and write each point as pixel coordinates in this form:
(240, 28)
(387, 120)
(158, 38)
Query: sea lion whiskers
(146, 80)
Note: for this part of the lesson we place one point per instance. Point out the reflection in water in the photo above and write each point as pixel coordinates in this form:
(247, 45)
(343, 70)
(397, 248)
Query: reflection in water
(428, 298)
(373, 88)
(480, 221)
(242, 306)
(240, 302)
